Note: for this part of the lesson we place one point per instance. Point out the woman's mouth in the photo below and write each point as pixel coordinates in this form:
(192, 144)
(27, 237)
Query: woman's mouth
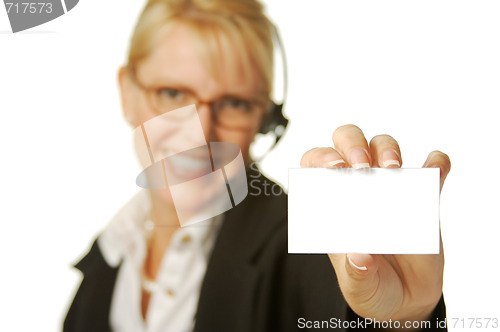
(187, 165)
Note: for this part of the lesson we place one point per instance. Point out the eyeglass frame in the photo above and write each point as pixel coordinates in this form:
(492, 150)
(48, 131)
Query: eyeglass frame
(150, 91)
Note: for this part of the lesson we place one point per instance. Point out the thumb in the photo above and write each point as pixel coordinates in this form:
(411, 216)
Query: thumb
(359, 263)
(357, 276)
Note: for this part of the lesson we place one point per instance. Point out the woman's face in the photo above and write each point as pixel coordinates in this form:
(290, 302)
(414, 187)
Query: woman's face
(176, 66)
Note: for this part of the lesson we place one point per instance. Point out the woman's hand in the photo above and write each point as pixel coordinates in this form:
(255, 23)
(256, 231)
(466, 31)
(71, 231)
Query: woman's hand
(396, 287)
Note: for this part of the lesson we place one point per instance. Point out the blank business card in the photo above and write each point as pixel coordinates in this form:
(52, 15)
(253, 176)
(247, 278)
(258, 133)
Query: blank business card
(373, 210)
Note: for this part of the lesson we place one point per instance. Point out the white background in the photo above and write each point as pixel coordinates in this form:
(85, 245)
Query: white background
(426, 72)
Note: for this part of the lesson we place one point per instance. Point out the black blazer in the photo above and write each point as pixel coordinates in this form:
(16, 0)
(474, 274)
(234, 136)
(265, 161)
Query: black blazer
(251, 284)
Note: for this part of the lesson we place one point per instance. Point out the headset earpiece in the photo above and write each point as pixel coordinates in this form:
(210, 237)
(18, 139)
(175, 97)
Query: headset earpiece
(274, 122)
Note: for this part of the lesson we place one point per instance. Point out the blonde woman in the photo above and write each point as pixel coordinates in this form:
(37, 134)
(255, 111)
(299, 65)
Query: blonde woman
(232, 272)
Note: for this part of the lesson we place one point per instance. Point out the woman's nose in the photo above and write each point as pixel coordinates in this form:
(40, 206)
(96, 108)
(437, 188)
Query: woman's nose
(206, 119)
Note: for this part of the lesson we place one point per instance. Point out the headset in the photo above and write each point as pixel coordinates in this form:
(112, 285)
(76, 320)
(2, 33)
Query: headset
(275, 122)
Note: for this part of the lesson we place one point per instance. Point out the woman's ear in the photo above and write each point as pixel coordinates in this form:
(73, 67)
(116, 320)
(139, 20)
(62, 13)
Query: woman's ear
(127, 95)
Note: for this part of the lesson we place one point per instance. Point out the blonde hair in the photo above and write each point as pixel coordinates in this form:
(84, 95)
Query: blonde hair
(221, 26)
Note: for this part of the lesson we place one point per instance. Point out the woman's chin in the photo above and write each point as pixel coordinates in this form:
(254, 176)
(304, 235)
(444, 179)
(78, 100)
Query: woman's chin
(192, 199)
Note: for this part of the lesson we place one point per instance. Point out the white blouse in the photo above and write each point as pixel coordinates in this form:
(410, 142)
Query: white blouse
(175, 292)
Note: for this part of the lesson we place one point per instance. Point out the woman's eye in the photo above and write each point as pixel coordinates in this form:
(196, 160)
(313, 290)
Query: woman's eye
(170, 94)
(237, 104)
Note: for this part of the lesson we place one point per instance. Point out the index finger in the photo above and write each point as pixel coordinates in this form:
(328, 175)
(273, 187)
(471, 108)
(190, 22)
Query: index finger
(440, 160)
(351, 143)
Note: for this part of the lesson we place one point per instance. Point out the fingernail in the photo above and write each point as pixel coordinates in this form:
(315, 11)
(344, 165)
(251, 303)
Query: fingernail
(332, 160)
(359, 268)
(390, 158)
(359, 159)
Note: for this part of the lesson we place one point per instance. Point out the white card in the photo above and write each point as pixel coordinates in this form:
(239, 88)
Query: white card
(373, 210)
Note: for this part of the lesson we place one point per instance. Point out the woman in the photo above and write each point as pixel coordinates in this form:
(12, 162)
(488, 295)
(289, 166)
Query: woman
(230, 272)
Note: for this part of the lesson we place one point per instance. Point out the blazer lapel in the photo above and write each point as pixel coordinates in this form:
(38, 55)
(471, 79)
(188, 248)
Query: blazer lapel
(91, 306)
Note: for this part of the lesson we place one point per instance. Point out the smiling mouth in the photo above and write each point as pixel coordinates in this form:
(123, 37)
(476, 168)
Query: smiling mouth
(188, 165)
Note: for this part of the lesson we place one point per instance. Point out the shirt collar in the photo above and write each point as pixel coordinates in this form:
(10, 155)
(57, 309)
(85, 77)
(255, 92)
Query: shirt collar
(126, 233)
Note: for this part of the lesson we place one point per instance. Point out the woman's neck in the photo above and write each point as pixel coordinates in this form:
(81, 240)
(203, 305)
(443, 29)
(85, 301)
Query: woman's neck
(166, 223)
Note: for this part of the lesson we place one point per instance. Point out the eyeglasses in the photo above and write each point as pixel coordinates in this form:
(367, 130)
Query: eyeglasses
(230, 112)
